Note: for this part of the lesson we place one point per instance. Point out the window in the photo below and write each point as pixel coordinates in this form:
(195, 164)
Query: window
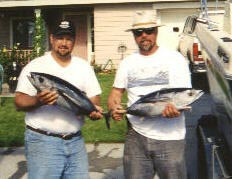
(23, 30)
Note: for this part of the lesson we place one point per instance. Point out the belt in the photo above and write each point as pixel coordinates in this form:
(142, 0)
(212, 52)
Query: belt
(62, 136)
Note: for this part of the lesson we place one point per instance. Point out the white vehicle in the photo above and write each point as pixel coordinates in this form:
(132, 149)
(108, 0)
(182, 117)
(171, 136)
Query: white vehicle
(215, 131)
(189, 45)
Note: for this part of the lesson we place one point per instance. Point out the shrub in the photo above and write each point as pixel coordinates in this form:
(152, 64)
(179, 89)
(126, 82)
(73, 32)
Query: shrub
(12, 61)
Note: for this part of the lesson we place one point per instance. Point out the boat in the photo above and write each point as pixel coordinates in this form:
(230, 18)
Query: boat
(215, 132)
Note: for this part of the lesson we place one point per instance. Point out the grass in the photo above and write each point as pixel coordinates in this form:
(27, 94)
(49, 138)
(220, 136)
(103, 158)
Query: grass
(96, 131)
(12, 122)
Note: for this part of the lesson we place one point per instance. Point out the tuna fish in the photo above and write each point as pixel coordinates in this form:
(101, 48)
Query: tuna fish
(153, 104)
(70, 97)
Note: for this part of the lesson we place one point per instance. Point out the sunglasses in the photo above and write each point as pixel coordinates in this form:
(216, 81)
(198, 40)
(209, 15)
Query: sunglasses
(139, 32)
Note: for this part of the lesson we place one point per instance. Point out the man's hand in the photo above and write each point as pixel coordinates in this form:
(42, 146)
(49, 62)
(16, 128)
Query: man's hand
(47, 97)
(118, 112)
(95, 115)
(170, 111)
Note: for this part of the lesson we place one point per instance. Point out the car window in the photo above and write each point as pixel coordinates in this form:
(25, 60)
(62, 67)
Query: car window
(190, 25)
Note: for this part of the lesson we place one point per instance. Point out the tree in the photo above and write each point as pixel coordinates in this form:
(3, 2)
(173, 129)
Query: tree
(39, 35)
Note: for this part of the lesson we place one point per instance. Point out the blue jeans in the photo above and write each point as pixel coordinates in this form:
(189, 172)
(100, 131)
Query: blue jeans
(143, 157)
(54, 158)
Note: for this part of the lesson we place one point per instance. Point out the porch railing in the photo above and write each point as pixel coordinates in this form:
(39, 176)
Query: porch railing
(24, 55)
(12, 62)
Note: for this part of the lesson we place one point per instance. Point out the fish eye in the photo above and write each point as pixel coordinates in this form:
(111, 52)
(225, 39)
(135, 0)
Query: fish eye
(41, 80)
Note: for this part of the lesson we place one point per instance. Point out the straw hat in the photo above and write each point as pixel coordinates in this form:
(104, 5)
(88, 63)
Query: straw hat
(144, 19)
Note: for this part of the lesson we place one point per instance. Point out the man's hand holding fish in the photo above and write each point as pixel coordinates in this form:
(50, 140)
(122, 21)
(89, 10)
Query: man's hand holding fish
(47, 97)
(95, 115)
(170, 111)
(118, 112)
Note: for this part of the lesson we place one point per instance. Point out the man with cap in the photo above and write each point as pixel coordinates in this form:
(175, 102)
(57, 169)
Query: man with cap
(154, 145)
(54, 146)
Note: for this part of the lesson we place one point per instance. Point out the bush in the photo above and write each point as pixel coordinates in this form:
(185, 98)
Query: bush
(12, 61)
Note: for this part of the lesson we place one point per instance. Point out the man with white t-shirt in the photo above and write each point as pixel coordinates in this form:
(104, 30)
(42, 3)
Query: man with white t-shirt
(153, 144)
(54, 146)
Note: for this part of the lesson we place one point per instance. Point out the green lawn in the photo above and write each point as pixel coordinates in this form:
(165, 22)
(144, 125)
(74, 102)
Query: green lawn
(12, 122)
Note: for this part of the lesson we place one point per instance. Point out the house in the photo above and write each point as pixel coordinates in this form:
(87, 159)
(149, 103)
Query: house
(101, 24)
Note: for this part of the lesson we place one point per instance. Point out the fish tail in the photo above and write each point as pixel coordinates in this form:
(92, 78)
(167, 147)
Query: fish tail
(107, 116)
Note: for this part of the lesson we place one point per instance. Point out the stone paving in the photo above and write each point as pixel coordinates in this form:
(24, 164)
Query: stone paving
(105, 162)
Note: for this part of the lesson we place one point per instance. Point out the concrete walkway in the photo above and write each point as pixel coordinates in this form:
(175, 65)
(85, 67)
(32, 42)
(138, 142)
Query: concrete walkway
(105, 162)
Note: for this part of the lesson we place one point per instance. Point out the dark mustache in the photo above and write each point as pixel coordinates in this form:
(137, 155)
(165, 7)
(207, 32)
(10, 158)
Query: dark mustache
(143, 40)
(63, 46)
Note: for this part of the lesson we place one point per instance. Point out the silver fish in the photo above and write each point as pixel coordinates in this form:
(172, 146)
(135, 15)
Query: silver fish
(70, 97)
(153, 104)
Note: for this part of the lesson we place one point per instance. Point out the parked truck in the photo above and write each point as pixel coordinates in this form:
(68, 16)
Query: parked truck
(189, 45)
(215, 131)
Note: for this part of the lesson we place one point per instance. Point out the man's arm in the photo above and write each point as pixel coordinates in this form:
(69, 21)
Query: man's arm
(96, 100)
(114, 103)
(24, 102)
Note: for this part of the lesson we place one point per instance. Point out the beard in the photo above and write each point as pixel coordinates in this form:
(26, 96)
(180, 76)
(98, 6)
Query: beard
(63, 52)
(146, 45)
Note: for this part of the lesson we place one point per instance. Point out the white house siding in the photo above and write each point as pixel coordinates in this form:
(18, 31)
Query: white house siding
(111, 18)
(110, 23)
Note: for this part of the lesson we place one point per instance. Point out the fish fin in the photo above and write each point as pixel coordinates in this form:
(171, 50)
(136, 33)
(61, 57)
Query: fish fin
(148, 100)
(107, 116)
(66, 96)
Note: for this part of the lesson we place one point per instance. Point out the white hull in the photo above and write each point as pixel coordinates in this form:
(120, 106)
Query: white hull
(218, 57)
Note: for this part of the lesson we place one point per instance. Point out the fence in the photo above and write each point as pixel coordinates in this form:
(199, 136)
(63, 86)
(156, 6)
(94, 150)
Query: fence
(21, 54)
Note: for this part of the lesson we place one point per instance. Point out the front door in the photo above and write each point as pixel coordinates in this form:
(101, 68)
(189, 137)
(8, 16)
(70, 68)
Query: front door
(80, 21)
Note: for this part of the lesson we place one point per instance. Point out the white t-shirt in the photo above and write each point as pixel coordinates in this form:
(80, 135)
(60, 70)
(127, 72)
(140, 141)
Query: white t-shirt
(141, 75)
(48, 117)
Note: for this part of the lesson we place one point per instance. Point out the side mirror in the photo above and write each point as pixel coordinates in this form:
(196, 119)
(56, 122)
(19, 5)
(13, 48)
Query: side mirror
(190, 25)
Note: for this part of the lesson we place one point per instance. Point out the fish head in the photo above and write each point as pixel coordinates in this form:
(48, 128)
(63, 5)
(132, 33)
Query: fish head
(40, 81)
(194, 93)
(187, 97)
